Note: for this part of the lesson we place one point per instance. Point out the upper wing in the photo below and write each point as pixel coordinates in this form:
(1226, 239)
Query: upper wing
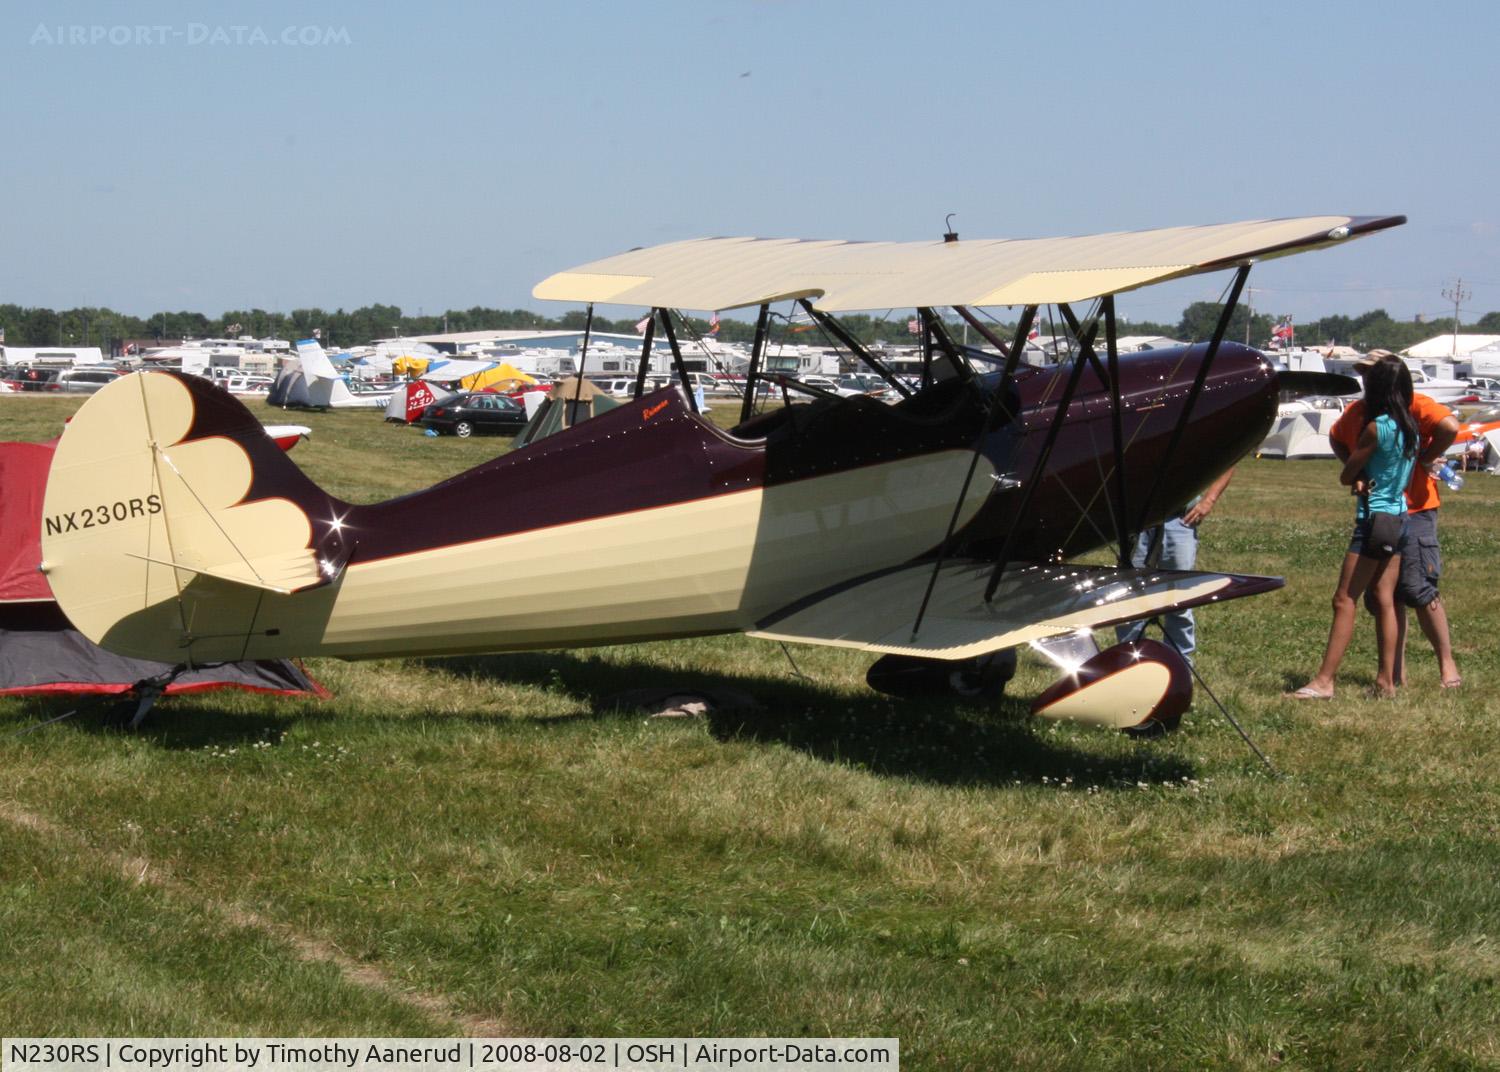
(877, 613)
(726, 273)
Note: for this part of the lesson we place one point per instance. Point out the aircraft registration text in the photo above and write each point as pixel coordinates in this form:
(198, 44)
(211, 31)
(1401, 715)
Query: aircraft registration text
(104, 514)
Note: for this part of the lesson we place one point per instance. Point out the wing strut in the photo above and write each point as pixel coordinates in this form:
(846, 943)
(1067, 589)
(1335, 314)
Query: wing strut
(997, 402)
(1086, 351)
(936, 332)
(1111, 378)
(583, 358)
(1187, 409)
(1005, 349)
(1043, 456)
(708, 354)
(834, 328)
(757, 350)
(682, 376)
(1117, 428)
(644, 365)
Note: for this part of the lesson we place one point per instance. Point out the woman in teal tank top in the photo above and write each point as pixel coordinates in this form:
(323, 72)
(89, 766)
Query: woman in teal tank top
(1378, 470)
(1386, 470)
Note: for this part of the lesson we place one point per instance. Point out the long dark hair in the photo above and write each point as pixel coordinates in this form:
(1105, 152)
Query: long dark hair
(1388, 390)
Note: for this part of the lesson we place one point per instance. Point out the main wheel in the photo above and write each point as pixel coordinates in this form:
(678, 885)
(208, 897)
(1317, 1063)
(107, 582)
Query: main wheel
(463, 429)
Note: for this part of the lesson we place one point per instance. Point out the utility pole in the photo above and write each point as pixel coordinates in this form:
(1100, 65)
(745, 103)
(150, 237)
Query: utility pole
(1457, 295)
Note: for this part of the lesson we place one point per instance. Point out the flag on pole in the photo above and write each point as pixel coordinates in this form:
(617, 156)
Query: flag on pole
(914, 326)
(713, 324)
(642, 324)
(1283, 333)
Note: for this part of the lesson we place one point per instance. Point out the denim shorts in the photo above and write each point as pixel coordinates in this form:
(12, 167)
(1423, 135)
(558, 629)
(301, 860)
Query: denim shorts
(1362, 535)
(1421, 562)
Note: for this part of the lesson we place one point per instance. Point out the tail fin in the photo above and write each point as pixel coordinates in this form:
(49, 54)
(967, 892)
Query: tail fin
(324, 387)
(166, 498)
(315, 363)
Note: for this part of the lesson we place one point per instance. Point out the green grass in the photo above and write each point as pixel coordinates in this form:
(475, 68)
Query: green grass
(487, 845)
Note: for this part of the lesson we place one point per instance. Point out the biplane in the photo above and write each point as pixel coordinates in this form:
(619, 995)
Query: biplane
(933, 532)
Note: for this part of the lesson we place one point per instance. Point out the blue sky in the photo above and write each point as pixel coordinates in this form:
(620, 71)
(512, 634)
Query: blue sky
(234, 155)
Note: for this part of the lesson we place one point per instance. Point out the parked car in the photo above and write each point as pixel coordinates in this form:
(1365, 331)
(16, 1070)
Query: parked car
(475, 414)
(1486, 387)
(82, 380)
(247, 385)
(36, 379)
(85, 380)
(862, 383)
(617, 388)
(624, 387)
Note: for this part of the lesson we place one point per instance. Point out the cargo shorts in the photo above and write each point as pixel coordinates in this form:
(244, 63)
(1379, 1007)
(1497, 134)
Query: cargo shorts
(1421, 562)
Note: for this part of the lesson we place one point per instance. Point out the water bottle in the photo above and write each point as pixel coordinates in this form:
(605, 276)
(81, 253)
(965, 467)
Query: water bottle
(1448, 475)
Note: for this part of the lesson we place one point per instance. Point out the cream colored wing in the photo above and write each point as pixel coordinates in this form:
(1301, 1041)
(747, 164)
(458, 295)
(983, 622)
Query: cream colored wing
(727, 273)
(878, 613)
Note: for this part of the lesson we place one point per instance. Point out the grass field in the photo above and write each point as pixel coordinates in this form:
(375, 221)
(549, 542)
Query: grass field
(479, 845)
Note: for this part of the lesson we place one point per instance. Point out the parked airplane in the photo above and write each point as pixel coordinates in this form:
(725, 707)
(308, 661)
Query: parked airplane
(933, 532)
(311, 382)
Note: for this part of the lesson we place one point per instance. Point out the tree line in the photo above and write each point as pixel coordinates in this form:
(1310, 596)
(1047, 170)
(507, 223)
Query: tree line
(108, 329)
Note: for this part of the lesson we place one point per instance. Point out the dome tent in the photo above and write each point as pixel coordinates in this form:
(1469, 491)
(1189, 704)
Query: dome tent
(571, 401)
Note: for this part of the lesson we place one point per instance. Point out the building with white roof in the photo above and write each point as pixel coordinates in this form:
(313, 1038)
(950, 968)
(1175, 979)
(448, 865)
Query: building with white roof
(1450, 347)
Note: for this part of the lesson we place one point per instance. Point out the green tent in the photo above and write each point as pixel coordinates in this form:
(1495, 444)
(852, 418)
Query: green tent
(570, 402)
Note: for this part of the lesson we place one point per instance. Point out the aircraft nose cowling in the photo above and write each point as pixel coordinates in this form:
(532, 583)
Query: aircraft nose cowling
(1248, 376)
(1178, 441)
(1230, 415)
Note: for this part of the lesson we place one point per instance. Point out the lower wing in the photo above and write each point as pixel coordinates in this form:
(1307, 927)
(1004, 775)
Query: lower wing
(879, 612)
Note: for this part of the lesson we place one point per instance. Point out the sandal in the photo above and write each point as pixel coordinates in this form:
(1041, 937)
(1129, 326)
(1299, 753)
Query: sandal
(1307, 692)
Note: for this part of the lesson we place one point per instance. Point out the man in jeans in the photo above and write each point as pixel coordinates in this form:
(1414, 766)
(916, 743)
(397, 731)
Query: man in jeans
(1177, 540)
(1421, 561)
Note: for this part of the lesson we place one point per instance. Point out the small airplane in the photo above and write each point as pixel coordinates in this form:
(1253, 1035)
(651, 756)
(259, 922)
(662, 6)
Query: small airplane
(934, 532)
(311, 382)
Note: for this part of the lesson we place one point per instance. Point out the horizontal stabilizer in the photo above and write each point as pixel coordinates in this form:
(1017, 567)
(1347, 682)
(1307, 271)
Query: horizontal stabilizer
(293, 571)
(877, 613)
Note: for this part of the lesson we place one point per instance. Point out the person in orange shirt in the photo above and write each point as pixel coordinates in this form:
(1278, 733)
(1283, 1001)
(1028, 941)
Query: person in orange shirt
(1421, 561)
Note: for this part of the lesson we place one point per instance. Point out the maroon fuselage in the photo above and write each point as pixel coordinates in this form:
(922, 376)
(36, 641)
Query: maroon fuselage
(655, 452)
(1073, 510)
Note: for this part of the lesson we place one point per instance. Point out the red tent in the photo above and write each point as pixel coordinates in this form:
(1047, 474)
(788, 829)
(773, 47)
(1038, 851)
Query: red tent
(409, 399)
(40, 651)
(23, 481)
